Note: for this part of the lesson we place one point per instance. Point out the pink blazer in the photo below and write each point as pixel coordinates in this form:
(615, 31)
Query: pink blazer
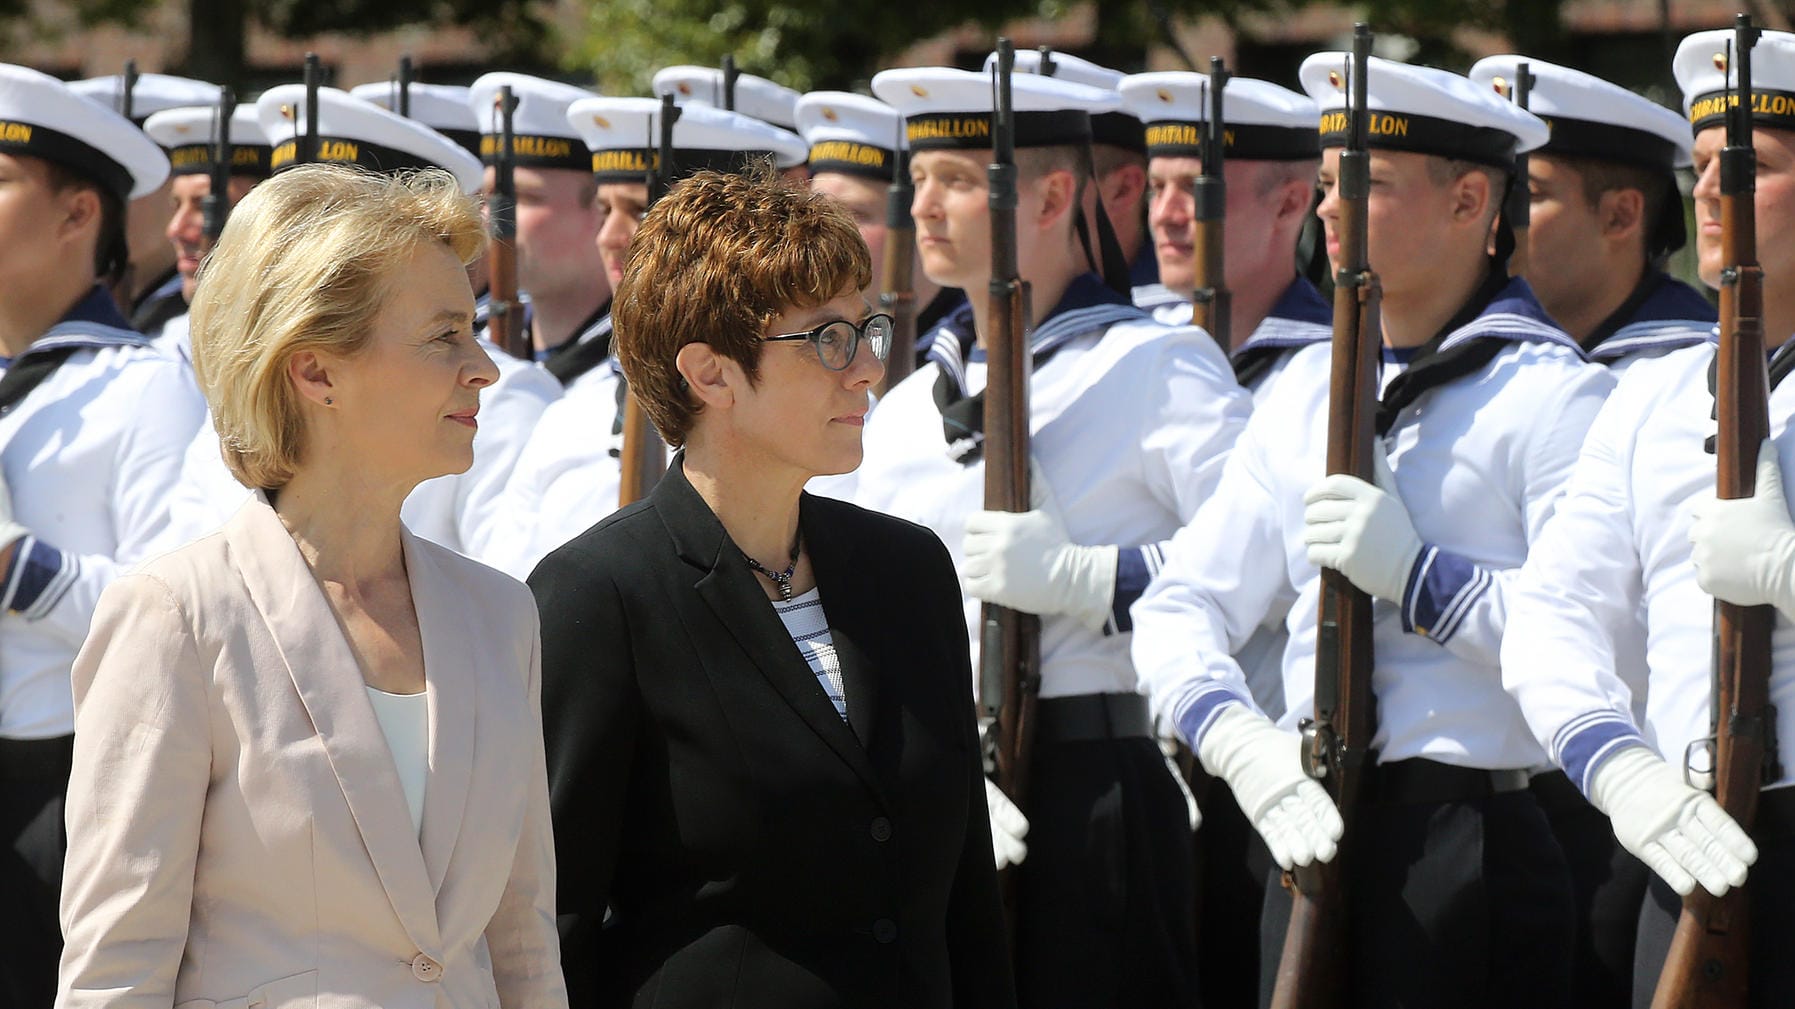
(238, 837)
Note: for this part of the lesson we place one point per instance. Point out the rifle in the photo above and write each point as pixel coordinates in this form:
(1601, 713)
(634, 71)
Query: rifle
(729, 76)
(402, 102)
(1314, 970)
(644, 456)
(128, 89)
(1709, 963)
(505, 316)
(1212, 301)
(218, 202)
(897, 286)
(1010, 649)
(307, 149)
(1519, 210)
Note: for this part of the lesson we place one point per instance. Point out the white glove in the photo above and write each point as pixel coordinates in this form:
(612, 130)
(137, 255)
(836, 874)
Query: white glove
(10, 529)
(1008, 827)
(1362, 531)
(1681, 833)
(1745, 549)
(1028, 562)
(1261, 764)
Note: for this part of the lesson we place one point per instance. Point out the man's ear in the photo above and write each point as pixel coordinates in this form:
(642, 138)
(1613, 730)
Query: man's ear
(1124, 186)
(1622, 213)
(1471, 196)
(706, 376)
(1057, 191)
(81, 210)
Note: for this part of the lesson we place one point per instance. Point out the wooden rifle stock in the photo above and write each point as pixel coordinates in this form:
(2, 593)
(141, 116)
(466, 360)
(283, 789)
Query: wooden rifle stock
(505, 314)
(1709, 963)
(1213, 304)
(1010, 646)
(897, 287)
(1314, 969)
(644, 455)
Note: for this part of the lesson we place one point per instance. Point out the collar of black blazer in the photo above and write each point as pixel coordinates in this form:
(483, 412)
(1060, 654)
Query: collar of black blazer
(701, 539)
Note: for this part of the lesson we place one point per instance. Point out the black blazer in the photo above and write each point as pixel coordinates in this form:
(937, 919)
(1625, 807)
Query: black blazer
(752, 848)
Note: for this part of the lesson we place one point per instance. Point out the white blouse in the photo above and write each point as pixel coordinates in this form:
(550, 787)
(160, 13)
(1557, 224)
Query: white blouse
(405, 721)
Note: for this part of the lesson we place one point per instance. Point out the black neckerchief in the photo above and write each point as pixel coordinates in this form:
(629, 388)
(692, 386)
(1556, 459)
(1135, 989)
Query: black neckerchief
(1782, 362)
(21, 378)
(576, 357)
(1431, 367)
(1648, 283)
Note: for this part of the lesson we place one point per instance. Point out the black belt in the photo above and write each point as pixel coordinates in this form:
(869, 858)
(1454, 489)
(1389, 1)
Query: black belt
(36, 759)
(1418, 780)
(1088, 718)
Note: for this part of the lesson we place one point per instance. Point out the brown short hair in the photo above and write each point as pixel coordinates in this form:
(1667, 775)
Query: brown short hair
(717, 259)
(1656, 187)
(111, 253)
(306, 261)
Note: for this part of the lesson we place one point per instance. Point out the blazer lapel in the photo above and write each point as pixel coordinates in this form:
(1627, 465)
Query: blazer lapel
(330, 685)
(852, 616)
(446, 622)
(728, 587)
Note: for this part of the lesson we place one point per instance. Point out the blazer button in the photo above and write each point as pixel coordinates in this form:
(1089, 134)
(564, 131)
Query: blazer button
(881, 829)
(885, 930)
(425, 969)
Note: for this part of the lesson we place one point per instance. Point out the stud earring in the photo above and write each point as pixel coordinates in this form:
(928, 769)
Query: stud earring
(328, 401)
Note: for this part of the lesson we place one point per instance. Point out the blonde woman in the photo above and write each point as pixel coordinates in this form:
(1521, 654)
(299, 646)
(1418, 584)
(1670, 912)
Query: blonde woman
(308, 765)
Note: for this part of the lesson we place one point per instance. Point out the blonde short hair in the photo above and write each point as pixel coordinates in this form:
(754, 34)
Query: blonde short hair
(304, 264)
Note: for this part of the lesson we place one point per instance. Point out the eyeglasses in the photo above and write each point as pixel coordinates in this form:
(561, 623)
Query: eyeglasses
(837, 342)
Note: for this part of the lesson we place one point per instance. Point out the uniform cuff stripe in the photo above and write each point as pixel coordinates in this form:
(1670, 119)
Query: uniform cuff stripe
(42, 575)
(1588, 740)
(1199, 708)
(1135, 568)
(1442, 589)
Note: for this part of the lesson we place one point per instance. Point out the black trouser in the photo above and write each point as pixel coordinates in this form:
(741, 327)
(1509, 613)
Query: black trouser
(34, 774)
(1607, 885)
(1105, 900)
(1232, 864)
(1456, 903)
(1772, 885)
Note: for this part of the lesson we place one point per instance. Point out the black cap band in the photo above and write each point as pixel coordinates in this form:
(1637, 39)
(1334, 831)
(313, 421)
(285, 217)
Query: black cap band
(1183, 138)
(631, 164)
(1584, 138)
(1775, 109)
(343, 151)
(1119, 129)
(467, 140)
(530, 151)
(971, 131)
(850, 157)
(1405, 131)
(68, 151)
(246, 159)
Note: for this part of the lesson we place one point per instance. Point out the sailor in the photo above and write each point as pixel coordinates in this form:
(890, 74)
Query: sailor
(1270, 156)
(1457, 883)
(456, 510)
(1131, 420)
(1640, 548)
(558, 217)
(568, 475)
(190, 136)
(93, 422)
(1606, 212)
(1119, 164)
(853, 156)
(446, 108)
(152, 287)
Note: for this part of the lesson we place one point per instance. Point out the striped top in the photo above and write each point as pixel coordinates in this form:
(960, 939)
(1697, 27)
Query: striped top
(809, 627)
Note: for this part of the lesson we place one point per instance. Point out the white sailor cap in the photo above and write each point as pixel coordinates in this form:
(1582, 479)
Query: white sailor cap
(444, 108)
(351, 131)
(624, 136)
(945, 108)
(754, 96)
(540, 134)
(1590, 117)
(1704, 72)
(1120, 128)
(151, 94)
(188, 135)
(851, 134)
(41, 117)
(1423, 110)
(1260, 121)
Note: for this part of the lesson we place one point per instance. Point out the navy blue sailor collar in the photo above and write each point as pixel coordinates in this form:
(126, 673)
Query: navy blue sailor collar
(1293, 321)
(1087, 304)
(1513, 315)
(1661, 313)
(94, 321)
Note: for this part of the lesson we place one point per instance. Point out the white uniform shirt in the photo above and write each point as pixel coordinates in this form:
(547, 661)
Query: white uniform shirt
(91, 456)
(1131, 421)
(1622, 534)
(458, 511)
(176, 339)
(1479, 463)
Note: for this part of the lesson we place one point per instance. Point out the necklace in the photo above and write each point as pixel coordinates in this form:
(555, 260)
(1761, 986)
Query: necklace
(783, 579)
